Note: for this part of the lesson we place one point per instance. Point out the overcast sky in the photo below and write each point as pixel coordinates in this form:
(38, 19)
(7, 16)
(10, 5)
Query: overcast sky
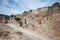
(18, 6)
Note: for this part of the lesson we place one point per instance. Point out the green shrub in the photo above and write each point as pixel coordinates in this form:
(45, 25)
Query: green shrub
(17, 19)
(56, 4)
(25, 13)
(30, 11)
(7, 17)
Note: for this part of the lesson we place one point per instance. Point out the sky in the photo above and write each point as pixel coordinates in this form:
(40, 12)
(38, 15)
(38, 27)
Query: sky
(9, 7)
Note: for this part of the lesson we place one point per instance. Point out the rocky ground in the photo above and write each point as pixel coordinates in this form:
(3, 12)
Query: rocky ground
(39, 24)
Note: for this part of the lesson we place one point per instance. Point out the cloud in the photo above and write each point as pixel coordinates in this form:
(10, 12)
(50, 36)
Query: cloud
(18, 6)
(0, 2)
(12, 3)
(8, 11)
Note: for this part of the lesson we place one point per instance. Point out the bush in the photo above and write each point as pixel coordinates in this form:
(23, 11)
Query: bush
(17, 19)
(49, 7)
(13, 15)
(56, 4)
(25, 13)
(7, 17)
(30, 11)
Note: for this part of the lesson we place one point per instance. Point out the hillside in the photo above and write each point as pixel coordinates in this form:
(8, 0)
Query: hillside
(44, 22)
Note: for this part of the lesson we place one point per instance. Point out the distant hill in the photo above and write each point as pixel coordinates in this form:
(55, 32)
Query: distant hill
(4, 18)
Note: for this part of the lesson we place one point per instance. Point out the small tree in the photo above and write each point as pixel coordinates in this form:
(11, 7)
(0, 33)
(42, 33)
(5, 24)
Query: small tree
(30, 11)
(56, 4)
(17, 19)
(25, 13)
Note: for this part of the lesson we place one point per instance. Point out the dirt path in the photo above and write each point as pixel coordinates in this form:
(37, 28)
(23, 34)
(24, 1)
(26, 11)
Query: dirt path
(27, 33)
